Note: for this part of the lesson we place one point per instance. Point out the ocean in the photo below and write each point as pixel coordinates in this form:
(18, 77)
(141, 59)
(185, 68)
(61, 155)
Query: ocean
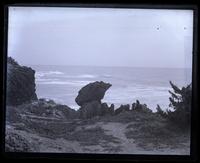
(148, 85)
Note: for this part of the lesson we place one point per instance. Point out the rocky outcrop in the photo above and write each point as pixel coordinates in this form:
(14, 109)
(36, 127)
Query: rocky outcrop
(106, 110)
(122, 108)
(140, 107)
(17, 143)
(92, 92)
(50, 109)
(20, 83)
(90, 109)
(95, 108)
(13, 114)
(89, 98)
(41, 108)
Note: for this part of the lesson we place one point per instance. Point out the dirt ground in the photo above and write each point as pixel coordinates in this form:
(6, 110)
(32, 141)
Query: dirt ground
(99, 137)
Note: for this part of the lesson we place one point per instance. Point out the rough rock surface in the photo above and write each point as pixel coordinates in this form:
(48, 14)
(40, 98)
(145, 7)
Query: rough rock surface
(122, 108)
(40, 108)
(20, 83)
(90, 109)
(140, 107)
(17, 143)
(12, 114)
(92, 92)
(106, 109)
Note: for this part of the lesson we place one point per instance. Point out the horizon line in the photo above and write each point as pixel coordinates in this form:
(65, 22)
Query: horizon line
(106, 66)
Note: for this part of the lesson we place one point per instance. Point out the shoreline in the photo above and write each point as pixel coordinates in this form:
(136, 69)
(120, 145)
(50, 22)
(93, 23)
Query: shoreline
(40, 125)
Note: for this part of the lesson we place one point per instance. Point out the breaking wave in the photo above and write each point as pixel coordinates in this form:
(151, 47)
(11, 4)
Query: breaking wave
(42, 74)
(72, 83)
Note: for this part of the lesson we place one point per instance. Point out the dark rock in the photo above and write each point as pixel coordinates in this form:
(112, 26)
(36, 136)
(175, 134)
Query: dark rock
(107, 110)
(20, 83)
(140, 107)
(90, 110)
(10, 60)
(104, 108)
(112, 106)
(92, 92)
(12, 114)
(122, 108)
(65, 112)
(16, 143)
(49, 109)
(133, 106)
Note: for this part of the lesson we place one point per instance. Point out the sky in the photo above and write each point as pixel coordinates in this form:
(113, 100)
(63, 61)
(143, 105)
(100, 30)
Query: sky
(100, 36)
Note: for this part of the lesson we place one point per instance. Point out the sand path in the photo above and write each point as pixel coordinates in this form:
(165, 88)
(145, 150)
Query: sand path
(129, 146)
(118, 130)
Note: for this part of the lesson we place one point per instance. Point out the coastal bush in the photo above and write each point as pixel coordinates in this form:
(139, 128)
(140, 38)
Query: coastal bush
(161, 112)
(180, 102)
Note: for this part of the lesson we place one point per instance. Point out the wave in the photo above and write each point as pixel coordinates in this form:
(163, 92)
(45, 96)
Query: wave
(107, 76)
(81, 76)
(120, 94)
(72, 83)
(46, 80)
(86, 76)
(42, 74)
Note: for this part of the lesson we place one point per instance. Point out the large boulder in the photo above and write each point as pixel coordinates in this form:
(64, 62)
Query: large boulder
(92, 92)
(20, 83)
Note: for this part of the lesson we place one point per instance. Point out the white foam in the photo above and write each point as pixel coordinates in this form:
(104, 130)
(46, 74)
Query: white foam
(75, 107)
(107, 76)
(81, 76)
(45, 80)
(86, 76)
(73, 83)
(44, 73)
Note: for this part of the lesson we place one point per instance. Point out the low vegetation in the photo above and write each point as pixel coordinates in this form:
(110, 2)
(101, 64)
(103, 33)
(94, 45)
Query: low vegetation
(180, 102)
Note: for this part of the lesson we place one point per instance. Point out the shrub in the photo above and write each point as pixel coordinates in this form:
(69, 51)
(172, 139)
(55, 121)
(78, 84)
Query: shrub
(180, 101)
(161, 112)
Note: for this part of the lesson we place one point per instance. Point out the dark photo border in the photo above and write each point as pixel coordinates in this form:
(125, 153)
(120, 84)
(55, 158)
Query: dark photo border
(114, 157)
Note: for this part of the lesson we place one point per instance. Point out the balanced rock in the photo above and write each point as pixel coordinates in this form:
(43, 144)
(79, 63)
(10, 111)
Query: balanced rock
(20, 83)
(92, 92)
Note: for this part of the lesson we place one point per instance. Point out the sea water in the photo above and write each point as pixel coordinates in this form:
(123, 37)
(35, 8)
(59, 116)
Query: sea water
(148, 85)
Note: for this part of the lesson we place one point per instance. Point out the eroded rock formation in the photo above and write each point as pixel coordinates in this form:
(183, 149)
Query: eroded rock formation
(122, 108)
(20, 83)
(92, 92)
(89, 98)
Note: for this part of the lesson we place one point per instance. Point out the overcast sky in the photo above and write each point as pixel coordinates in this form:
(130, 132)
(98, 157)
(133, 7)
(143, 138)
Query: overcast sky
(100, 36)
